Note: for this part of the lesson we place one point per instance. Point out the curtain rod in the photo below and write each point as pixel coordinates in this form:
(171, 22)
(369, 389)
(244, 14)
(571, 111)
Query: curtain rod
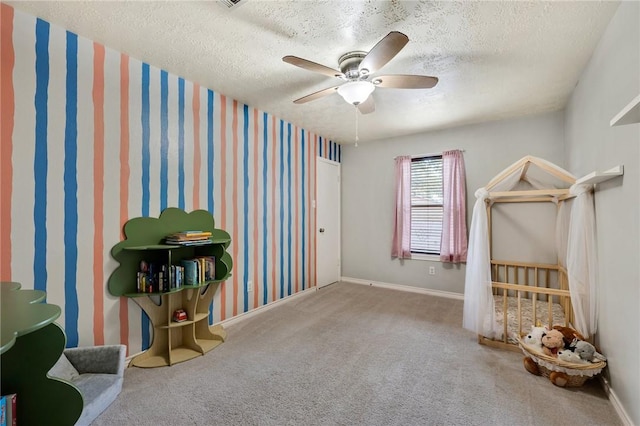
(432, 154)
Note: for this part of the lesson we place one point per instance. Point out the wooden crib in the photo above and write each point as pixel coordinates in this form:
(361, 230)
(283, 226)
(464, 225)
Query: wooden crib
(527, 294)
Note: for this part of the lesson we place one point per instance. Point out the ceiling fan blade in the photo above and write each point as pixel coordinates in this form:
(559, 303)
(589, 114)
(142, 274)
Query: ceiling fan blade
(400, 81)
(384, 51)
(368, 106)
(316, 95)
(312, 66)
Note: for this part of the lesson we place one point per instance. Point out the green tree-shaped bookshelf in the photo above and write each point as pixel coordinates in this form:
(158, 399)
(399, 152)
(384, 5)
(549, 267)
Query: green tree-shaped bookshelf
(173, 342)
(30, 344)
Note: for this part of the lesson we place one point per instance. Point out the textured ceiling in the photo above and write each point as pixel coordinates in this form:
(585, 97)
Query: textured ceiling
(494, 59)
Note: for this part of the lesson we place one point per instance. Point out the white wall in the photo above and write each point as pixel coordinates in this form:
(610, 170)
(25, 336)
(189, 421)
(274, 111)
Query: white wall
(368, 191)
(610, 80)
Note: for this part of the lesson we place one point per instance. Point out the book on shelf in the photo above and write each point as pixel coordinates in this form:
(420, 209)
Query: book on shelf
(189, 238)
(191, 271)
(200, 242)
(10, 413)
(209, 267)
(3, 410)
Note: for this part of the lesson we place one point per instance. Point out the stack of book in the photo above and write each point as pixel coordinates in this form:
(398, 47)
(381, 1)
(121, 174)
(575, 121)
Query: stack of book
(189, 238)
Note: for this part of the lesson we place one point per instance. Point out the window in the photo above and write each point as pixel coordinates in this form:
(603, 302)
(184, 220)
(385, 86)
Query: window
(426, 204)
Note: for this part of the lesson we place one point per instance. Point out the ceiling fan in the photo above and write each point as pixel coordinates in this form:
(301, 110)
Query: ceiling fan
(356, 69)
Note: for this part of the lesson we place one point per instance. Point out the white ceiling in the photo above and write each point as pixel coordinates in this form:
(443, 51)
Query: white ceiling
(494, 59)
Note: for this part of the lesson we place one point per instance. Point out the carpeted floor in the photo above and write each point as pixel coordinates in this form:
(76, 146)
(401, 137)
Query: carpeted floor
(354, 355)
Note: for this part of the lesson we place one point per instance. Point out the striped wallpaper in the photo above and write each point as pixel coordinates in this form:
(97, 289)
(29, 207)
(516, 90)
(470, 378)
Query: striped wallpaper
(92, 137)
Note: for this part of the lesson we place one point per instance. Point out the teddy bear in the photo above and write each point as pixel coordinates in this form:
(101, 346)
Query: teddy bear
(534, 338)
(552, 342)
(586, 351)
(568, 334)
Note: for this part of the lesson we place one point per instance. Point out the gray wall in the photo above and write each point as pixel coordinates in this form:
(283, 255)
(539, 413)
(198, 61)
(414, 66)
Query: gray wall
(610, 80)
(368, 192)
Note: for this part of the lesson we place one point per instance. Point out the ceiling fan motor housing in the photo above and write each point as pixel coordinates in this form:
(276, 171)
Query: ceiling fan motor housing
(350, 63)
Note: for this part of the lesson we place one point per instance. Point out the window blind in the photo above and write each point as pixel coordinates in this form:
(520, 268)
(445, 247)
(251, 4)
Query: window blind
(426, 204)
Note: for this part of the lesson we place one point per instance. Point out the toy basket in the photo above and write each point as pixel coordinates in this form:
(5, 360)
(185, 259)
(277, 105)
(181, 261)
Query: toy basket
(577, 374)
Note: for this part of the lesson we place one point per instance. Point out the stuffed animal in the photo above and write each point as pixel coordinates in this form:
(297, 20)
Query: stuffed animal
(568, 355)
(568, 334)
(587, 351)
(534, 338)
(552, 342)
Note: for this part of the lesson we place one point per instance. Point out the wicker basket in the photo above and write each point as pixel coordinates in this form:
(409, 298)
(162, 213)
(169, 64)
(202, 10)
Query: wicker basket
(577, 374)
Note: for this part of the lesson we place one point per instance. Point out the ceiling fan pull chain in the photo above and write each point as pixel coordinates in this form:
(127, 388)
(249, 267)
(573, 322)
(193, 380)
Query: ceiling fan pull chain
(356, 110)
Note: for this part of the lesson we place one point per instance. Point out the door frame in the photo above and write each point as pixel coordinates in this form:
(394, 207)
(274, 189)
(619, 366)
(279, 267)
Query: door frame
(339, 224)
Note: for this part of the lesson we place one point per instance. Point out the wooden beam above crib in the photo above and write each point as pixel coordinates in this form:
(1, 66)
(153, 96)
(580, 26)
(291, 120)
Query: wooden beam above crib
(533, 193)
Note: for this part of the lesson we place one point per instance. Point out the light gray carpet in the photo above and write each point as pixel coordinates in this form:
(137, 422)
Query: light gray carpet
(354, 355)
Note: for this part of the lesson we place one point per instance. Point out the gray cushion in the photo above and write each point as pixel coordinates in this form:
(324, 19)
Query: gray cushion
(98, 392)
(63, 369)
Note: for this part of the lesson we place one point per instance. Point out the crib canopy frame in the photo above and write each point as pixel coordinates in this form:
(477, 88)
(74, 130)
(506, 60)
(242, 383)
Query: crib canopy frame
(532, 179)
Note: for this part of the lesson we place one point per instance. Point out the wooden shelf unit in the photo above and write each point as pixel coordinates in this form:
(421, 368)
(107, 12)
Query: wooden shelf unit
(173, 342)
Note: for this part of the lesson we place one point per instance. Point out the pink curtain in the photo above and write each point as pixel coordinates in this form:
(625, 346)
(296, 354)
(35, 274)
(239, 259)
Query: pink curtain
(402, 228)
(453, 247)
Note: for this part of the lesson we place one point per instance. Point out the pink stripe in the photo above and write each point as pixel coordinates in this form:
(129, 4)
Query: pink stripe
(124, 181)
(296, 200)
(234, 203)
(223, 193)
(7, 110)
(274, 250)
(196, 146)
(315, 216)
(256, 144)
(98, 193)
(310, 209)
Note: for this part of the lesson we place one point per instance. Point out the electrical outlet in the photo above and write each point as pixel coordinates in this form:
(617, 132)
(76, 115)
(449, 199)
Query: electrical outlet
(249, 286)
(432, 270)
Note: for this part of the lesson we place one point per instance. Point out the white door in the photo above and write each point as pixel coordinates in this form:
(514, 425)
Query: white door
(328, 221)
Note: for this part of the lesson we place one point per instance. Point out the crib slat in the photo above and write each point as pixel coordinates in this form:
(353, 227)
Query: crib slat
(519, 314)
(505, 322)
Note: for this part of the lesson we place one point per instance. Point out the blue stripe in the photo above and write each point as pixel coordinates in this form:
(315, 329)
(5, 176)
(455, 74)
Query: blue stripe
(181, 202)
(289, 226)
(320, 146)
(146, 163)
(265, 191)
(164, 139)
(339, 153)
(40, 161)
(281, 208)
(146, 131)
(71, 195)
(210, 178)
(245, 163)
(330, 150)
(210, 152)
(304, 214)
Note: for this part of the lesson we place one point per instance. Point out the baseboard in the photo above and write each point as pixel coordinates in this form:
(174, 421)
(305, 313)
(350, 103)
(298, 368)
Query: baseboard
(248, 314)
(617, 405)
(401, 287)
(264, 308)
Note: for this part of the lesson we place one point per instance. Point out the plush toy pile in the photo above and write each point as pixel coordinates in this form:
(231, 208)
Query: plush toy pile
(563, 343)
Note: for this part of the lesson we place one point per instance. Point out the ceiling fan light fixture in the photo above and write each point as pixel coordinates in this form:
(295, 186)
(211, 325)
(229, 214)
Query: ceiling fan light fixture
(356, 92)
